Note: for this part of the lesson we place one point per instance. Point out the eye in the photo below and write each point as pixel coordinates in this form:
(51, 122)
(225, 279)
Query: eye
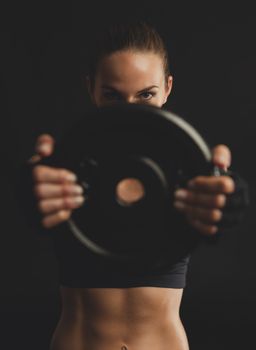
(147, 95)
(111, 95)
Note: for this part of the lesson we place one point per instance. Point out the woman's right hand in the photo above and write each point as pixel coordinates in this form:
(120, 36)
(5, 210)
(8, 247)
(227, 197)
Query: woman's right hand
(56, 189)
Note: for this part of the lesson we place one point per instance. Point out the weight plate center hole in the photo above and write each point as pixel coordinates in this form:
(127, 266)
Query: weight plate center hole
(129, 191)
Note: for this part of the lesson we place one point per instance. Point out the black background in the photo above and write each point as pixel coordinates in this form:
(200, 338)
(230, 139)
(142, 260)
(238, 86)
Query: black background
(213, 55)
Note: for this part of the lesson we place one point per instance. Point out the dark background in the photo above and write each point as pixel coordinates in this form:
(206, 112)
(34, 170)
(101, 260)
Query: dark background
(213, 55)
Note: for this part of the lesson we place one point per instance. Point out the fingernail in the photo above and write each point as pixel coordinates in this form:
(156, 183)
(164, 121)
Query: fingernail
(214, 229)
(44, 148)
(78, 190)
(181, 194)
(71, 177)
(219, 215)
(179, 205)
(79, 200)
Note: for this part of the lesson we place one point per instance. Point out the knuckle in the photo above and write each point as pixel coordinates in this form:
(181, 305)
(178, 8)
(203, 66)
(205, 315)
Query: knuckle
(230, 185)
(227, 185)
(38, 191)
(37, 173)
(213, 230)
(65, 190)
(219, 201)
(62, 174)
(210, 231)
(66, 202)
(53, 205)
(215, 215)
(63, 215)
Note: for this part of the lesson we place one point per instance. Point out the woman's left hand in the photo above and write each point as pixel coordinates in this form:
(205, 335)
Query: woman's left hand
(205, 196)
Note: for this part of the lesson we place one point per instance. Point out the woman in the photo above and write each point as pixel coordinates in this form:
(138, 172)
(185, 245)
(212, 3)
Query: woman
(103, 307)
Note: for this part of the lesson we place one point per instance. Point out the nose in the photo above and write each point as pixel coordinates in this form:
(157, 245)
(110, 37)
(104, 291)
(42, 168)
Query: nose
(129, 100)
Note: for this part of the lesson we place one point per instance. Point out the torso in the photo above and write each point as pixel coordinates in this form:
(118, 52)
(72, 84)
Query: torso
(139, 318)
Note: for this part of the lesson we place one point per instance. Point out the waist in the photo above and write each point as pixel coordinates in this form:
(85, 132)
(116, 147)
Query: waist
(134, 318)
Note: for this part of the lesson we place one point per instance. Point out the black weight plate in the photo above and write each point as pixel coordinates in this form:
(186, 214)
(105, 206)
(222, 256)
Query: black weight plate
(150, 144)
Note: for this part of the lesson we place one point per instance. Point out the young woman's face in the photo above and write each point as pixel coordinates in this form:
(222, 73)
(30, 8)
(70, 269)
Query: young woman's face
(131, 77)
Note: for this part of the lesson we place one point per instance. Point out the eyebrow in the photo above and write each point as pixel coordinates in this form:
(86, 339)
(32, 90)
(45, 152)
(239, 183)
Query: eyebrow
(146, 89)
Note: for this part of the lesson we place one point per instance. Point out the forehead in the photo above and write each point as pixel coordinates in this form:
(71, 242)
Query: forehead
(130, 68)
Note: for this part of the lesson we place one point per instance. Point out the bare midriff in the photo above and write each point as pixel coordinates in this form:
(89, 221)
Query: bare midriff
(139, 318)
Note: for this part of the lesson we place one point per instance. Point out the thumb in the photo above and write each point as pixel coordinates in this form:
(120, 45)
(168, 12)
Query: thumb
(221, 156)
(44, 148)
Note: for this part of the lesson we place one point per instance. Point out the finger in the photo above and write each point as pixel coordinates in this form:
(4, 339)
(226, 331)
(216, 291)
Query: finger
(48, 191)
(200, 199)
(52, 220)
(207, 230)
(45, 145)
(34, 159)
(207, 216)
(48, 206)
(221, 156)
(42, 173)
(212, 184)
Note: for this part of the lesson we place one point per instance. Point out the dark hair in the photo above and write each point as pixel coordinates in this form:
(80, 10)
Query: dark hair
(137, 36)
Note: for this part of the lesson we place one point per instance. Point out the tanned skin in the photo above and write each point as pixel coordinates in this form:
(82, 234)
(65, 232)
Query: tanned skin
(138, 318)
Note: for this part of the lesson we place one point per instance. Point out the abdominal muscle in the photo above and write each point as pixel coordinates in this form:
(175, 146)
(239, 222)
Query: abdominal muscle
(138, 318)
